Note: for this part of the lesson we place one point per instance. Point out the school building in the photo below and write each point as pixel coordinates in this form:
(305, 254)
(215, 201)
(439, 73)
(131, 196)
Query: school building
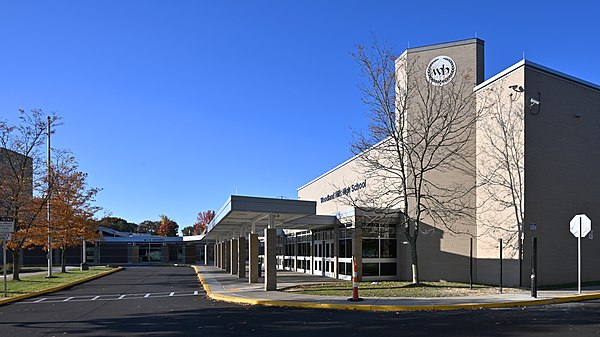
(550, 158)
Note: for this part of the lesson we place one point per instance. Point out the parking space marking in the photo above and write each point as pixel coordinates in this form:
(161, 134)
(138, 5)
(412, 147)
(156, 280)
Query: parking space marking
(110, 297)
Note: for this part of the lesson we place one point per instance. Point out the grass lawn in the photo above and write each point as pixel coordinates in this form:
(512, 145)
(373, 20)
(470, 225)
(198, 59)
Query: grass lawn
(32, 283)
(399, 289)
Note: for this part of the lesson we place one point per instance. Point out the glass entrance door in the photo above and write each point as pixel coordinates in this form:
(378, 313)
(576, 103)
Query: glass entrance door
(150, 252)
(324, 260)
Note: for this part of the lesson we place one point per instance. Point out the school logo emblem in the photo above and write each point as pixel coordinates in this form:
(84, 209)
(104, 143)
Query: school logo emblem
(440, 70)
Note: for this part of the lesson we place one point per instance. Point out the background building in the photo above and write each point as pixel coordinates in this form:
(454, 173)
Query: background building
(16, 180)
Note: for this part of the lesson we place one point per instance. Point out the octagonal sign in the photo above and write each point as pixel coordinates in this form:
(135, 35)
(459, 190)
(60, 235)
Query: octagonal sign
(583, 222)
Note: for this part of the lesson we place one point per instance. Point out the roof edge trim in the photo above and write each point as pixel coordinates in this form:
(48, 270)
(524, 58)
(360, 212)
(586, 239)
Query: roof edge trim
(340, 165)
(539, 67)
(499, 75)
(442, 45)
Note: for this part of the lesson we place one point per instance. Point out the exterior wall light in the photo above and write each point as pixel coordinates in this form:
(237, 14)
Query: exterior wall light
(535, 104)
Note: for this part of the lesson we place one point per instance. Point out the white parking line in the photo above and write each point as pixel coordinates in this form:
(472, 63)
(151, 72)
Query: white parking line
(111, 297)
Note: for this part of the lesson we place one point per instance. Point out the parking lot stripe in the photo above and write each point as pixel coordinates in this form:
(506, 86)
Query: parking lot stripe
(107, 297)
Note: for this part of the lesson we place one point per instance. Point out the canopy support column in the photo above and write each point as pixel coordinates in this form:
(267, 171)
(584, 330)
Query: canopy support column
(253, 258)
(270, 256)
(233, 256)
(226, 253)
(241, 241)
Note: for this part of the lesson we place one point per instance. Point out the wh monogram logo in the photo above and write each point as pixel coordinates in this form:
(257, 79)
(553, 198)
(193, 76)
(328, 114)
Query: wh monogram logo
(440, 70)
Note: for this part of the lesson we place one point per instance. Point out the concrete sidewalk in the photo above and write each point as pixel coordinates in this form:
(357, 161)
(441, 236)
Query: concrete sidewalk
(222, 286)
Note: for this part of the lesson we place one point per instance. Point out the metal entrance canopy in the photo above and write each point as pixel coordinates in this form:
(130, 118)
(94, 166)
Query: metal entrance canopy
(240, 213)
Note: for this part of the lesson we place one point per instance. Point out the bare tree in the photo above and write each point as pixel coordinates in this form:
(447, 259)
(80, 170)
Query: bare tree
(501, 148)
(23, 184)
(418, 132)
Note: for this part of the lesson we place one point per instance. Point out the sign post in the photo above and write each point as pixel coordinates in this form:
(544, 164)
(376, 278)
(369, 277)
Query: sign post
(7, 227)
(580, 226)
(4, 261)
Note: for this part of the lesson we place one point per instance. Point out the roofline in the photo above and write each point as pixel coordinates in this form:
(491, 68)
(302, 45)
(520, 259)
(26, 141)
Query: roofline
(442, 45)
(536, 66)
(228, 207)
(20, 155)
(340, 165)
(326, 173)
(499, 75)
(139, 239)
(223, 211)
(563, 75)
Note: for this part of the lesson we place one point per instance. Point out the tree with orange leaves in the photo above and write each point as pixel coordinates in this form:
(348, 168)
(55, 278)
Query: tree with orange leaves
(203, 219)
(167, 226)
(72, 209)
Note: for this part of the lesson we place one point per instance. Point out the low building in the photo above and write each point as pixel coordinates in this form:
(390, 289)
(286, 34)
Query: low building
(114, 247)
(121, 248)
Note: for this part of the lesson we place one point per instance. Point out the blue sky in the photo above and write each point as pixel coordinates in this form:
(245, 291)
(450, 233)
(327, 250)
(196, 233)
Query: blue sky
(171, 106)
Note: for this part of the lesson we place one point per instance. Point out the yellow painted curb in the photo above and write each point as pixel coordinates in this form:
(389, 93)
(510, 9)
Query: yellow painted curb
(61, 287)
(374, 307)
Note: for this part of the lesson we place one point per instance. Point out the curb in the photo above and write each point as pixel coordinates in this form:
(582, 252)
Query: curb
(374, 307)
(58, 288)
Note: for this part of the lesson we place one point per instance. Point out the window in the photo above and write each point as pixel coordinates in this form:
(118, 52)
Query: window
(370, 248)
(388, 248)
(388, 269)
(370, 269)
(379, 244)
(345, 268)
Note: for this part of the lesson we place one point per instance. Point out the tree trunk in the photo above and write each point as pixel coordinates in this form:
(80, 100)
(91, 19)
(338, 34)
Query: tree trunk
(63, 260)
(16, 267)
(415, 265)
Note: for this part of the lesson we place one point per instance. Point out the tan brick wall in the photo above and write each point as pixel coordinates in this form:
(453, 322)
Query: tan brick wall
(444, 253)
(499, 177)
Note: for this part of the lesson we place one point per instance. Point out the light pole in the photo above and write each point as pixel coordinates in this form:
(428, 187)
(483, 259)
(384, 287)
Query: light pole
(48, 206)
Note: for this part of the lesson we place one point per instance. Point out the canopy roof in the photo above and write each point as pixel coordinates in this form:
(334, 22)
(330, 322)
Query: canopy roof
(240, 212)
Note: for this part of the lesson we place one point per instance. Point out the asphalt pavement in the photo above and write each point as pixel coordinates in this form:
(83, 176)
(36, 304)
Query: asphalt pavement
(135, 301)
(168, 301)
